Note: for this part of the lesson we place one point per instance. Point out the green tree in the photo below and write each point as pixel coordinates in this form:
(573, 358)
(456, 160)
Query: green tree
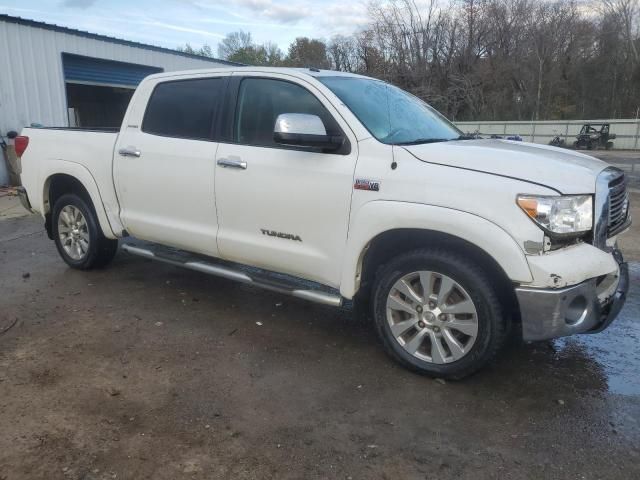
(204, 51)
(239, 47)
(307, 52)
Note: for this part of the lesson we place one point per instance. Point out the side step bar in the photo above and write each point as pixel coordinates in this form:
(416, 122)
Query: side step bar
(224, 271)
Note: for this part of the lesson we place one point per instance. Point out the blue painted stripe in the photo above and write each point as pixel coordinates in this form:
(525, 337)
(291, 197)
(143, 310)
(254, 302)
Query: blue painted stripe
(96, 70)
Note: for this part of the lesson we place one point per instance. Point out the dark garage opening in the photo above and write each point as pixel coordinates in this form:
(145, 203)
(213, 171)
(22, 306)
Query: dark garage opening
(98, 90)
(92, 106)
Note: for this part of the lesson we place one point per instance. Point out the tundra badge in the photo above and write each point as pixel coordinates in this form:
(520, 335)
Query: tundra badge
(288, 236)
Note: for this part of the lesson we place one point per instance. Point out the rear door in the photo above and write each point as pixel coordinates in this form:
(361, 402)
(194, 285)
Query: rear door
(164, 163)
(282, 208)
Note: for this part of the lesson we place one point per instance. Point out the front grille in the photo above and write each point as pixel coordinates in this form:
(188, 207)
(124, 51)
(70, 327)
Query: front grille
(618, 205)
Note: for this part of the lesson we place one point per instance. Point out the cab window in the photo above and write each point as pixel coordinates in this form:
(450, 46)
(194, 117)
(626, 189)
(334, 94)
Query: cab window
(183, 108)
(261, 100)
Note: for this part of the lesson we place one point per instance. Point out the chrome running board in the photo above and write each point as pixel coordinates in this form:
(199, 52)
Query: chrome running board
(193, 262)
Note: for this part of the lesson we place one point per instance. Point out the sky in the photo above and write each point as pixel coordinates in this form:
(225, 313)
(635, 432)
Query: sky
(170, 23)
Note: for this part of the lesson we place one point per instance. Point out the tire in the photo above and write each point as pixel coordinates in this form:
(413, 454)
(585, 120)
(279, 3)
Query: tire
(471, 284)
(609, 146)
(95, 250)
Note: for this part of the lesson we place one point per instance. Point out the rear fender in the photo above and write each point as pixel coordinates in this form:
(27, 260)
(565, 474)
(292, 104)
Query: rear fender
(83, 175)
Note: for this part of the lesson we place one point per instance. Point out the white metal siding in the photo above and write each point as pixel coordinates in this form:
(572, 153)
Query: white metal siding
(627, 131)
(32, 86)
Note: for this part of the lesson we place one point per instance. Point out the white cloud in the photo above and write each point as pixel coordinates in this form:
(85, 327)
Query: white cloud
(78, 3)
(176, 22)
(179, 28)
(275, 10)
(344, 18)
(332, 15)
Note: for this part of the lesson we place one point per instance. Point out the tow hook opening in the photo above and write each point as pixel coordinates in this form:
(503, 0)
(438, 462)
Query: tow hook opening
(576, 311)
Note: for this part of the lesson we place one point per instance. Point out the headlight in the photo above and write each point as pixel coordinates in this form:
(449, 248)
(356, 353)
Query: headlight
(568, 214)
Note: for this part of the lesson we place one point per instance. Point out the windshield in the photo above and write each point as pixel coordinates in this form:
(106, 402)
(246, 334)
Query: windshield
(391, 115)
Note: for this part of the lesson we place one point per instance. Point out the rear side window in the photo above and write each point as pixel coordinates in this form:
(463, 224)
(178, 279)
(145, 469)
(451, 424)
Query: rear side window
(183, 108)
(261, 100)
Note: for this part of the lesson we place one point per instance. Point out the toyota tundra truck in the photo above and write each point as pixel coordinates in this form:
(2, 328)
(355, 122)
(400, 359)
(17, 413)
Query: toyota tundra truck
(343, 190)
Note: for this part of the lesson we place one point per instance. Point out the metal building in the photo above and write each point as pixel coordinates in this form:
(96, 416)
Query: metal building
(58, 76)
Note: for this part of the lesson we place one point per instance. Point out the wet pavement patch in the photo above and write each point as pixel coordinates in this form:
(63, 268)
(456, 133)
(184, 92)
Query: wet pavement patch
(617, 349)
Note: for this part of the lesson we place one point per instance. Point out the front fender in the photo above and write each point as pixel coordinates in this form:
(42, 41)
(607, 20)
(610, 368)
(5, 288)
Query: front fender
(377, 217)
(83, 175)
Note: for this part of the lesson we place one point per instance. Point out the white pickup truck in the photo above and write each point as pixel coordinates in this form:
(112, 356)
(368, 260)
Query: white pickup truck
(333, 187)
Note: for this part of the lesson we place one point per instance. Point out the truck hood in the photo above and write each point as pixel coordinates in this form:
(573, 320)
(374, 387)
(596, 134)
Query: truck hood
(563, 170)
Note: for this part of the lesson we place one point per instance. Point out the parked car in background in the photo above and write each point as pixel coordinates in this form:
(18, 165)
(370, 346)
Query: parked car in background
(330, 187)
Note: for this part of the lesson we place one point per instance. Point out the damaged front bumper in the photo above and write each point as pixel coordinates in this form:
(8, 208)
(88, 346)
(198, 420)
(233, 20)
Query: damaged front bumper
(588, 307)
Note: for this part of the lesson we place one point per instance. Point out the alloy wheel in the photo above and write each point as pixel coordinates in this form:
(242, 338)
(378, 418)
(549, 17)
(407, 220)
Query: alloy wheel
(73, 232)
(432, 317)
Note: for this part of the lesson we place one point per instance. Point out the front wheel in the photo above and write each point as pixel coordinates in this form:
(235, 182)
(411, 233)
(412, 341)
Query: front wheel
(77, 234)
(437, 313)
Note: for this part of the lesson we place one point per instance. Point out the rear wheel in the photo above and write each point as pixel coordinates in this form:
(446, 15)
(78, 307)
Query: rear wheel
(437, 313)
(78, 236)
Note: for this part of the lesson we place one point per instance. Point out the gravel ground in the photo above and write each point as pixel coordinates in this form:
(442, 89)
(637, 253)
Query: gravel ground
(143, 370)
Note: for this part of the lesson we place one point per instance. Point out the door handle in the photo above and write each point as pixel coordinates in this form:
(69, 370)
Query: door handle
(129, 152)
(228, 163)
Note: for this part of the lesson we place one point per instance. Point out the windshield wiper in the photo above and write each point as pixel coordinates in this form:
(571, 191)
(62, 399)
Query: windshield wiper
(421, 141)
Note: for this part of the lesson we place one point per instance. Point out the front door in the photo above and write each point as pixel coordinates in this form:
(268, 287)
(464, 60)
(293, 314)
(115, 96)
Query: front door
(280, 208)
(164, 164)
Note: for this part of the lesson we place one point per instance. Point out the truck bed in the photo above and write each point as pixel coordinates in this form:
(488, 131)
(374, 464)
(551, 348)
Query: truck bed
(81, 129)
(86, 154)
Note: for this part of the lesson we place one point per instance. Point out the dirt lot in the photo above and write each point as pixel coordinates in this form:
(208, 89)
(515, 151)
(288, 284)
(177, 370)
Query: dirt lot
(143, 370)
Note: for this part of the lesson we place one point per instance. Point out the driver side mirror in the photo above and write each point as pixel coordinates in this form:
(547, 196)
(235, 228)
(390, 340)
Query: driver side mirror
(304, 130)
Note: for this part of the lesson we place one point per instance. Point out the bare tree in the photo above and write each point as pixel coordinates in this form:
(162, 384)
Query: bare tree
(626, 12)
(343, 53)
(484, 59)
(233, 43)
